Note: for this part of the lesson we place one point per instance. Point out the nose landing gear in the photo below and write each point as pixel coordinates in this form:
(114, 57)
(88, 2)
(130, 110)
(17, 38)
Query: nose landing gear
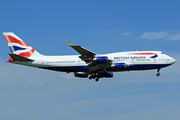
(158, 74)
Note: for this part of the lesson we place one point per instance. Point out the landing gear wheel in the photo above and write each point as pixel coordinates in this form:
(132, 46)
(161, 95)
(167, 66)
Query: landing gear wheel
(90, 77)
(94, 76)
(158, 74)
(97, 79)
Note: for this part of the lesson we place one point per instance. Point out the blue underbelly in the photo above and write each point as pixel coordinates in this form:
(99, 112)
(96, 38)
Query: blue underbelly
(85, 68)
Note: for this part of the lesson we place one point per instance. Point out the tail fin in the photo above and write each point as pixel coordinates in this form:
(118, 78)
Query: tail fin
(18, 46)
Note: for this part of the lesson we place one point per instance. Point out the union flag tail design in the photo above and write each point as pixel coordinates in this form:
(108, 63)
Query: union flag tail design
(18, 46)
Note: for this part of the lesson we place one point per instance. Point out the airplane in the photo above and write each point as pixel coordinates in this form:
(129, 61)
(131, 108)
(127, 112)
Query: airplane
(88, 64)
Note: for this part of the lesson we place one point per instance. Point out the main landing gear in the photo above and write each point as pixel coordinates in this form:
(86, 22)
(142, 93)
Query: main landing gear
(95, 76)
(158, 74)
(97, 79)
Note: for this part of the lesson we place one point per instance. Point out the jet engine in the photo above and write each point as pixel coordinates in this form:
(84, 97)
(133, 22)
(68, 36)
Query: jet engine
(118, 66)
(97, 60)
(81, 74)
(108, 74)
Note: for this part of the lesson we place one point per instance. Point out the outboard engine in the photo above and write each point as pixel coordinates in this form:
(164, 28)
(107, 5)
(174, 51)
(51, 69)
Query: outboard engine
(81, 74)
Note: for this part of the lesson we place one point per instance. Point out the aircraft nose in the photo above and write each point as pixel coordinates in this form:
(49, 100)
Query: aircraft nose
(173, 60)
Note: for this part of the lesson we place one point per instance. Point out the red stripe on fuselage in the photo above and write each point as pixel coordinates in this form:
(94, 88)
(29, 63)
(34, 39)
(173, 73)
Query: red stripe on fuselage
(145, 53)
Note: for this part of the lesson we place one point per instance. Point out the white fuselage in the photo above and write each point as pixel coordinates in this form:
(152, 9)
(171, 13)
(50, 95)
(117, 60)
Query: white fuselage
(134, 60)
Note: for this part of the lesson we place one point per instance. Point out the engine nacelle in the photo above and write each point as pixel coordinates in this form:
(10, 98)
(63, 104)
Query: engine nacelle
(118, 66)
(108, 74)
(81, 74)
(100, 60)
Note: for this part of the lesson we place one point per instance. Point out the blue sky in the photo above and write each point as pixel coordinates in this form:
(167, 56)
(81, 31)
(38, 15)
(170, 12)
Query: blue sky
(102, 26)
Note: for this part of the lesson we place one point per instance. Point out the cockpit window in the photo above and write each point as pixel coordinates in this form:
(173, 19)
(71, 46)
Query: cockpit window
(162, 53)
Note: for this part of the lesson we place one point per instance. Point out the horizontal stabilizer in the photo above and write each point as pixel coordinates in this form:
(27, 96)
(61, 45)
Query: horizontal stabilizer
(16, 57)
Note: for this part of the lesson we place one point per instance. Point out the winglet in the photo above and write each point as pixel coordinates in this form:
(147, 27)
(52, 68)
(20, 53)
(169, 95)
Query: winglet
(80, 49)
(70, 43)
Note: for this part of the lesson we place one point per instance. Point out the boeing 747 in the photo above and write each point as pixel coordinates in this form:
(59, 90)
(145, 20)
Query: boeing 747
(88, 64)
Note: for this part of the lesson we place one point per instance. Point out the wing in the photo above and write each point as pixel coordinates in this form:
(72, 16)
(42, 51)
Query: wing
(86, 55)
(94, 61)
